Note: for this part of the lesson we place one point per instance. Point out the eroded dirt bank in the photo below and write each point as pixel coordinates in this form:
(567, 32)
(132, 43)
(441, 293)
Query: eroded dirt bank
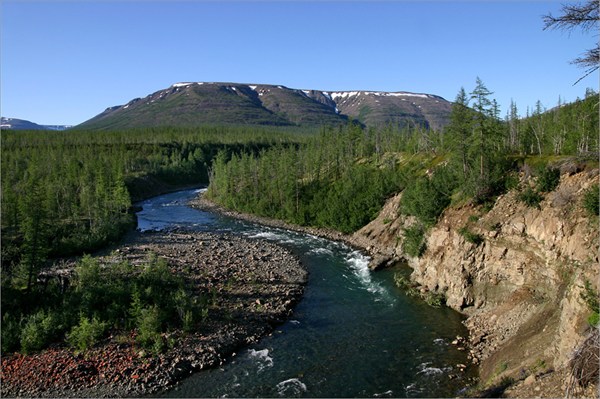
(255, 285)
(520, 283)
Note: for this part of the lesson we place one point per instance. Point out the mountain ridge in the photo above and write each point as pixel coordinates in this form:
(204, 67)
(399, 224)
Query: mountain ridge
(22, 124)
(197, 103)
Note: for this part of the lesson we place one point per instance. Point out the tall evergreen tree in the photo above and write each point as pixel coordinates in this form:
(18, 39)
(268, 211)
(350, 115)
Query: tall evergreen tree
(459, 131)
(482, 124)
(513, 127)
(33, 225)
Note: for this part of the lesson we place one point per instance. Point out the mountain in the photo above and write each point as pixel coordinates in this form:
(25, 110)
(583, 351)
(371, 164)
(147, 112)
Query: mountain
(398, 108)
(192, 104)
(21, 124)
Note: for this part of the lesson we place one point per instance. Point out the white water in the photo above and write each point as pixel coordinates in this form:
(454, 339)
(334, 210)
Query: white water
(354, 334)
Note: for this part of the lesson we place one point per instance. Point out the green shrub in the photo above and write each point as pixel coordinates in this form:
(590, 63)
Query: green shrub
(591, 298)
(405, 284)
(593, 319)
(548, 179)
(434, 299)
(530, 197)
(413, 244)
(470, 236)
(86, 334)
(11, 331)
(149, 328)
(39, 330)
(511, 181)
(591, 200)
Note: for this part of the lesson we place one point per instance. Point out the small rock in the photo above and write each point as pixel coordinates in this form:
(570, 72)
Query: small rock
(529, 380)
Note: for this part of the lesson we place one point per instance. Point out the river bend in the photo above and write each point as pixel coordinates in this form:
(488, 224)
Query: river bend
(354, 334)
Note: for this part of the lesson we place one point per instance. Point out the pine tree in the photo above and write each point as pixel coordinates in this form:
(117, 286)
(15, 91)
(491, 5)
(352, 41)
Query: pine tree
(33, 226)
(513, 127)
(482, 124)
(459, 130)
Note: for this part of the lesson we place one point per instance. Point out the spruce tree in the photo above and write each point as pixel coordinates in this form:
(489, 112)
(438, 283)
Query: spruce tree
(459, 131)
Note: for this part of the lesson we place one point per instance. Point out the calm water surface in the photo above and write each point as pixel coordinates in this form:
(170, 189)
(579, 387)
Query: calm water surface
(354, 334)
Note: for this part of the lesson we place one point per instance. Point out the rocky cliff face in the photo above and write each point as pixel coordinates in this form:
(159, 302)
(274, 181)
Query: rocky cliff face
(520, 285)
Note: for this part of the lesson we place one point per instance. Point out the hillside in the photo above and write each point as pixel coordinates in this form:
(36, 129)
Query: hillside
(193, 104)
(401, 108)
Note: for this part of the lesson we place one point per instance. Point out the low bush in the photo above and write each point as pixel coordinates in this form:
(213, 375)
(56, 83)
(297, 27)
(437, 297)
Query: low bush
(548, 179)
(149, 328)
(413, 244)
(86, 334)
(591, 200)
(11, 332)
(434, 299)
(406, 285)
(473, 238)
(39, 331)
(119, 297)
(591, 298)
(530, 197)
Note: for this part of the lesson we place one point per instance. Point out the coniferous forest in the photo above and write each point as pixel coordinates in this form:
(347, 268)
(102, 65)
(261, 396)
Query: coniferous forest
(69, 193)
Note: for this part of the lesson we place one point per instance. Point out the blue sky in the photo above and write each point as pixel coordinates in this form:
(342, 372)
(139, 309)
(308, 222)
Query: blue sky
(63, 62)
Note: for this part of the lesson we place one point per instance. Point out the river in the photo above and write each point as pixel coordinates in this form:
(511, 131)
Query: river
(354, 334)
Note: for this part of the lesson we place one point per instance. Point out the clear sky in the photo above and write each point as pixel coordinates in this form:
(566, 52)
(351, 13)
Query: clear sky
(63, 62)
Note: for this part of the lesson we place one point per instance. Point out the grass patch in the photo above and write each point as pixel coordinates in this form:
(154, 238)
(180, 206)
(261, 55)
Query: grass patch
(591, 200)
(470, 236)
(530, 197)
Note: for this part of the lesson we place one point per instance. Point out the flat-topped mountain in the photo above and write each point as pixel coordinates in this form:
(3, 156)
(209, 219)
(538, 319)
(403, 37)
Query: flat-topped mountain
(197, 103)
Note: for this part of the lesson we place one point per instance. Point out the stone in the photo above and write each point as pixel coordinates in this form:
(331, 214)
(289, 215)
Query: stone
(530, 380)
(379, 262)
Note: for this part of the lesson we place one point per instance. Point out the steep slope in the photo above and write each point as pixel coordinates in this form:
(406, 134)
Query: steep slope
(193, 104)
(398, 108)
(521, 286)
(297, 106)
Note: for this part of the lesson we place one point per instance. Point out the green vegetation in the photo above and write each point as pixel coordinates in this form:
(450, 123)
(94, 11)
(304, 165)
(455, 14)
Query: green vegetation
(591, 200)
(592, 300)
(530, 197)
(413, 244)
(431, 298)
(147, 298)
(548, 179)
(65, 193)
(69, 193)
(470, 236)
(341, 177)
(336, 179)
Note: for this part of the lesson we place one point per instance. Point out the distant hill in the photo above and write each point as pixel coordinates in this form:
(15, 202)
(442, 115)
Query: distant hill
(198, 103)
(21, 124)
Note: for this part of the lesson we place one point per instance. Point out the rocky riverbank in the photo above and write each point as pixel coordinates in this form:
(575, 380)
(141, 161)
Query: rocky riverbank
(254, 286)
(520, 282)
(521, 286)
(354, 241)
